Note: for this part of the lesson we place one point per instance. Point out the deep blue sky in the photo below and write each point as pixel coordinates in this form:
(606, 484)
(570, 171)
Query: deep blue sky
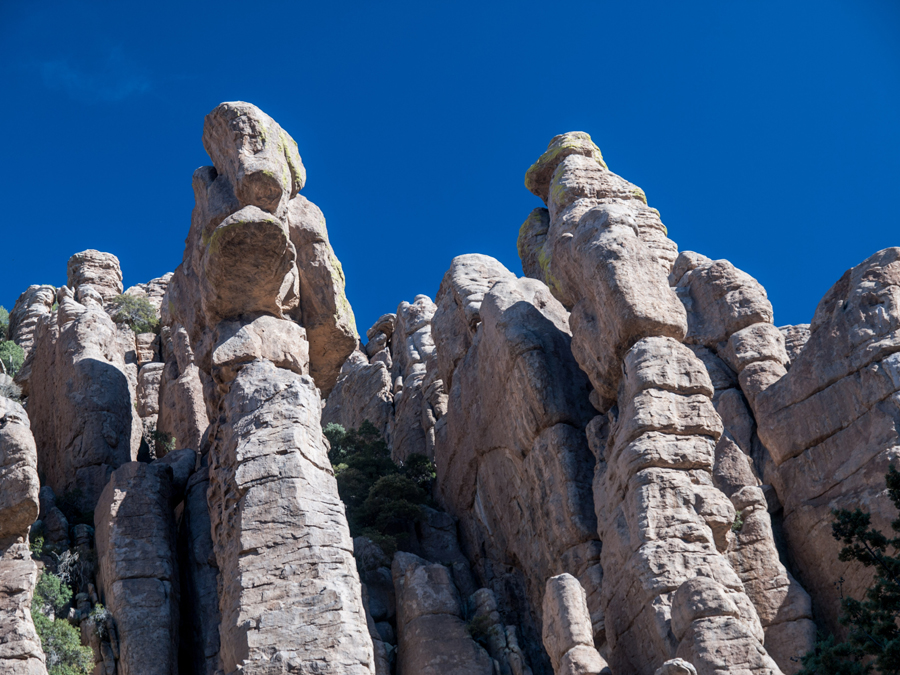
(765, 132)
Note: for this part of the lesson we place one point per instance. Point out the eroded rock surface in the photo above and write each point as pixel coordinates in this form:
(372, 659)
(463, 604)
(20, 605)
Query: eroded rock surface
(273, 502)
(512, 459)
(20, 647)
(138, 574)
(80, 401)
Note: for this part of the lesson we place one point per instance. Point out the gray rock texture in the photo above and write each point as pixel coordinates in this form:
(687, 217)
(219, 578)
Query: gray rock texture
(20, 647)
(100, 271)
(80, 401)
(432, 634)
(289, 595)
(512, 459)
(567, 633)
(138, 574)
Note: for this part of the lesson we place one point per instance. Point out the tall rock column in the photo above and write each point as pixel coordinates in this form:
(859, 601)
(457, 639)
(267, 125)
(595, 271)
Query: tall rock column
(36, 302)
(80, 401)
(20, 646)
(605, 254)
(289, 593)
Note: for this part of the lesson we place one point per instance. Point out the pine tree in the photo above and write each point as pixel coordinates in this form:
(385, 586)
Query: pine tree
(873, 640)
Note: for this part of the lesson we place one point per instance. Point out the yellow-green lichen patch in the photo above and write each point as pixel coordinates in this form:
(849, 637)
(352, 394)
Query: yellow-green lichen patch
(639, 194)
(572, 143)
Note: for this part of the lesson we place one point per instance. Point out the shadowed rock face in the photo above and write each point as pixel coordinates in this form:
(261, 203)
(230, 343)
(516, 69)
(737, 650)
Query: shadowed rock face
(20, 647)
(662, 519)
(138, 576)
(839, 394)
(512, 459)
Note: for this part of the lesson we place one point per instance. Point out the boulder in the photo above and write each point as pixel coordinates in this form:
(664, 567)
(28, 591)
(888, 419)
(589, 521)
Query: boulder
(101, 271)
(567, 633)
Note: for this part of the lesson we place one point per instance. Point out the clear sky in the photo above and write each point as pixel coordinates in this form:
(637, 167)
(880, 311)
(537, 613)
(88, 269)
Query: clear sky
(765, 132)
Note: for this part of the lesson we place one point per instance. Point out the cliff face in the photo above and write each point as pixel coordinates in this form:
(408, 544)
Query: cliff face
(634, 469)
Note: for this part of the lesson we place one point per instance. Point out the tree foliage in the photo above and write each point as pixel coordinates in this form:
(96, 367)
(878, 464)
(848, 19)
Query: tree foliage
(873, 640)
(136, 312)
(4, 323)
(12, 355)
(382, 500)
(60, 640)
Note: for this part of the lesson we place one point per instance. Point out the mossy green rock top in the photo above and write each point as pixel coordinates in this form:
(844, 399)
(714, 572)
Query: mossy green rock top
(537, 178)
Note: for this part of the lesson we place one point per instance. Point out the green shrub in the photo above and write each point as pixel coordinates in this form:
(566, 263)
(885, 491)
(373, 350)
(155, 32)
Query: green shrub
(137, 313)
(60, 640)
(61, 643)
(162, 441)
(12, 355)
(873, 640)
(51, 594)
(382, 500)
(4, 323)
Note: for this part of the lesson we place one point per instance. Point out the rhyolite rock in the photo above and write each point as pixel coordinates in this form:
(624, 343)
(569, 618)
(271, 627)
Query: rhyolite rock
(432, 634)
(100, 271)
(138, 573)
(567, 633)
(512, 459)
(289, 595)
(83, 411)
(20, 647)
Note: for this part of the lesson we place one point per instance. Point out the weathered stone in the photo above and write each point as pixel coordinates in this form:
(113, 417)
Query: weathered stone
(459, 303)
(18, 471)
(676, 667)
(721, 300)
(20, 647)
(567, 634)
(420, 400)
(34, 303)
(324, 309)
(248, 266)
(149, 379)
(795, 338)
(83, 413)
(269, 449)
(265, 337)
(362, 392)
(532, 236)
(259, 159)
(199, 580)
(182, 409)
(146, 348)
(512, 459)
(99, 270)
(627, 293)
(138, 576)
(432, 635)
(841, 392)
(153, 291)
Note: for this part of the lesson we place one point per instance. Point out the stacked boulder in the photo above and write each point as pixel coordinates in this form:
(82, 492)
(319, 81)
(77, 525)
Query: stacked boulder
(289, 594)
(730, 329)
(20, 647)
(664, 524)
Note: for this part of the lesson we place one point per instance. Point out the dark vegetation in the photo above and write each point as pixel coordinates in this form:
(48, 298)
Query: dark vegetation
(873, 640)
(383, 500)
(60, 640)
(135, 312)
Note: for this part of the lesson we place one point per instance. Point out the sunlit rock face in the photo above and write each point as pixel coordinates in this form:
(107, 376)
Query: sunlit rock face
(289, 595)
